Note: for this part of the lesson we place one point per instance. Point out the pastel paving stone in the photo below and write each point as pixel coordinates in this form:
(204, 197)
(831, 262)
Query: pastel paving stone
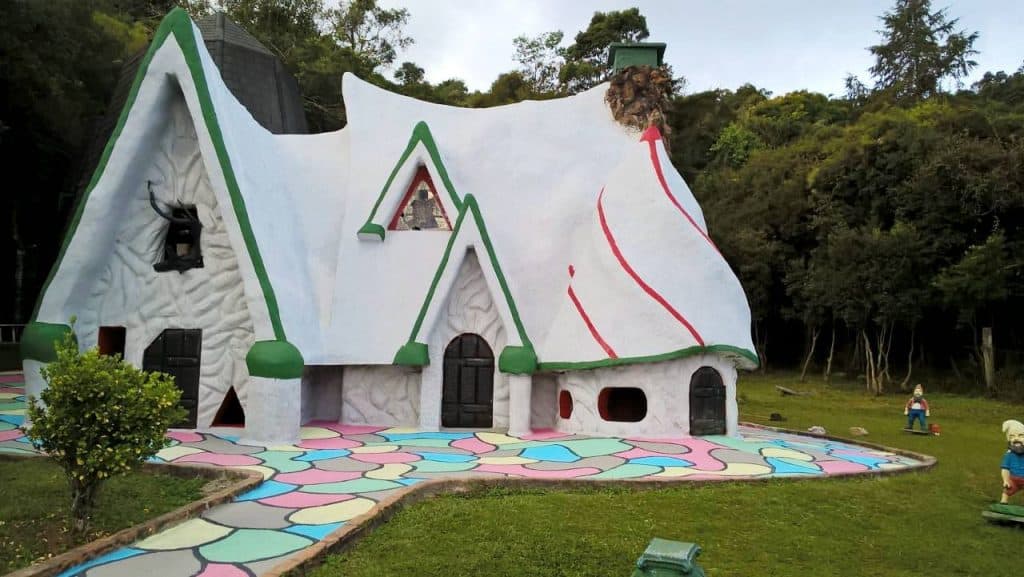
(248, 515)
(333, 513)
(245, 545)
(191, 533)
(158, 564)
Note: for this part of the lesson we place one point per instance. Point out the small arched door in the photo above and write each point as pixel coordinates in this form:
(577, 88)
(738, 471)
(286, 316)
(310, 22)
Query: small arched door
(707, 402)
(467, 398)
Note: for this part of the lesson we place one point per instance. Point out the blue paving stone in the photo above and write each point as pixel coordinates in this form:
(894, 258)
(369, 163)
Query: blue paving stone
(317, 532)
(323, 455)
(661, 462)
(782, 467)
(445, 457)
(267, 489)
(554, 453)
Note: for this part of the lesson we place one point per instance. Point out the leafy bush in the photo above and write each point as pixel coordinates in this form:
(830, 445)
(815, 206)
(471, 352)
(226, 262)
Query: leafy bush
(101, 417)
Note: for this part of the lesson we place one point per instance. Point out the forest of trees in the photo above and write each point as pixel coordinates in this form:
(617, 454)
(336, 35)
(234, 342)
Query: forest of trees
(877, 234)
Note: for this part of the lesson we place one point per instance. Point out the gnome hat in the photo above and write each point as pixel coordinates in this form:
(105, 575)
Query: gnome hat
(1012, 427)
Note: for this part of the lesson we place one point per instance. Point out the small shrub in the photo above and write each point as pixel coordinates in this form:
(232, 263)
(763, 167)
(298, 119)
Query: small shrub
(102, 416)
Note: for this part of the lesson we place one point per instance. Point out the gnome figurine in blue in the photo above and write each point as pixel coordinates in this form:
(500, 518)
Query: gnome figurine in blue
(1012, 469)
(917, 409)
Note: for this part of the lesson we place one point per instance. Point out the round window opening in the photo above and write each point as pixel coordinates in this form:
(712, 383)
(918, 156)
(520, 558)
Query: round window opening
(622, 404)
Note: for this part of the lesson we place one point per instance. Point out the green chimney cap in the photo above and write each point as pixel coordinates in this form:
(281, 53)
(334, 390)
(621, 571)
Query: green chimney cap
(624, 54)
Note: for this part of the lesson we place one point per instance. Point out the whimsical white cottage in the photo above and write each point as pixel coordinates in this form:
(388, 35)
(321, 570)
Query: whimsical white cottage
(528, 266)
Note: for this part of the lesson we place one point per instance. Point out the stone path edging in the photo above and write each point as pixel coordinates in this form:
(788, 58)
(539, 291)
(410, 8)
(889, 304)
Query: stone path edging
(244, 481)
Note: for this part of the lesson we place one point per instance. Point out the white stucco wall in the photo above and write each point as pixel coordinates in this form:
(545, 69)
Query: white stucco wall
(131, 294)
(666, 385)
(469, 308)
(381, 395)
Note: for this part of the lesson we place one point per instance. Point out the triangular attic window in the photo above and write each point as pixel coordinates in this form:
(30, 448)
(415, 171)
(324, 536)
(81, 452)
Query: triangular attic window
(420, 208)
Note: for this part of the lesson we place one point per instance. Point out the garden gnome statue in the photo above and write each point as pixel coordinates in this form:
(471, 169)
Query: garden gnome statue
(917, 408)
(1013, 461)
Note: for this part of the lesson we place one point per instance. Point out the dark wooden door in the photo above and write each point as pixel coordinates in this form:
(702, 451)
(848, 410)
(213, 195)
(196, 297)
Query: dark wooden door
(467, 399)
(707, 403)
(177, 353)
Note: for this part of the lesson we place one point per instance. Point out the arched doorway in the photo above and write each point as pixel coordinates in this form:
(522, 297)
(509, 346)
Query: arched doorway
(467, 398)
(707, 402)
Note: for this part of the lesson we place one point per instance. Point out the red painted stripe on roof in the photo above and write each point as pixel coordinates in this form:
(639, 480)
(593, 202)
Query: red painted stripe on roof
(636, 277)
(590, 325)
(651, 135)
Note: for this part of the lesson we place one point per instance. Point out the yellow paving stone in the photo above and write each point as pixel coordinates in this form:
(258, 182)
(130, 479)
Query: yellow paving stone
(8, 395)
(891, 466)
(177, 452)
(317, 433)
(677, 472)
(497, 438)
(784, 453)
(398, 431)
(333, 513)
(375, 449)
(267, 472)
(389, 472)
(505, 460)
(189, 534)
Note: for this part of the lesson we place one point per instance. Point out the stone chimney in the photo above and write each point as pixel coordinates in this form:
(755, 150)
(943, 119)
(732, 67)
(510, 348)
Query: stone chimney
(639, 86)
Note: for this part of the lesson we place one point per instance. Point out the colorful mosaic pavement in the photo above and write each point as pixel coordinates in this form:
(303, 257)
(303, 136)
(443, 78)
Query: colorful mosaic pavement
(338, 472)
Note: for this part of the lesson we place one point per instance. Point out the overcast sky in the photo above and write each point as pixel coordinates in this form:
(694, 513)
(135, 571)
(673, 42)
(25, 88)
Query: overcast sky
(781, 45)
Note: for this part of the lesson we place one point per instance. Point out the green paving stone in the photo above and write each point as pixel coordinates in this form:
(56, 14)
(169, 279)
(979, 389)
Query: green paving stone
(251, 544)
(440, 467)
(741, 445)
(18, 450)
(353, 486)
(11, 405)
(627, 471)
(595, 447)
(281, 460)
(5, 426)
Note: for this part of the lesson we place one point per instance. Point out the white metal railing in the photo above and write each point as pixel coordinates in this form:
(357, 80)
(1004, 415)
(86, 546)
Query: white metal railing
(11, 334)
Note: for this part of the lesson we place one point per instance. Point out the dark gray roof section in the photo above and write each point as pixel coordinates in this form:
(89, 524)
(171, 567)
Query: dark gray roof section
(219, 28)
(253, 74)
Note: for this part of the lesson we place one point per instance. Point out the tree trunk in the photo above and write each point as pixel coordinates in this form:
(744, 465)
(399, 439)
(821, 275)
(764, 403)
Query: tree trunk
(869, 362)
(815, 331)
(83, 497)
(910, 361)
(988, 359)
(855, 359)
(831, 354)
(761, 344)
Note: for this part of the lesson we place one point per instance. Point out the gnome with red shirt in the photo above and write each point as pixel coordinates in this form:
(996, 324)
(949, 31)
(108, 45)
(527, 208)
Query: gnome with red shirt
(917, 408)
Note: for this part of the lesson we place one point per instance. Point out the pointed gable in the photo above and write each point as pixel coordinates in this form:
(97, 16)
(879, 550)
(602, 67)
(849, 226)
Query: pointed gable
(421, 157)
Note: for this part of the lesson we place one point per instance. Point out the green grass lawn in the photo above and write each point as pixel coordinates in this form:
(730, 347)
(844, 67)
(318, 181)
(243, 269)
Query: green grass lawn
(916, 524)
(34, 505)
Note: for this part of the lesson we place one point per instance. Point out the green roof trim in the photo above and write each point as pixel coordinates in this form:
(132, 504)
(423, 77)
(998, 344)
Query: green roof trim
(178, 24)
(412, 354)
(518, 361)
(420, 133)
(681, 353)
(275, 360)
(38, 341)
(370, 228)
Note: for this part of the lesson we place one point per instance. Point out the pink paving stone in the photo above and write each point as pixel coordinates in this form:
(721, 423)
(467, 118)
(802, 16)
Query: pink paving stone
(524, 472)
(840, 467)
(300, 500)
(185, 436)
(385, 458)
(222, 570)
(473, 445)
(700, 455)
(317, 476)
(11, 435)
(219, 459)
(543, 435)
(12, 378)
(332, 443)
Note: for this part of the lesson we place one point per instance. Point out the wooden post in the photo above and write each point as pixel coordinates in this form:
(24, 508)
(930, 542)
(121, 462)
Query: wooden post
(988, 358)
